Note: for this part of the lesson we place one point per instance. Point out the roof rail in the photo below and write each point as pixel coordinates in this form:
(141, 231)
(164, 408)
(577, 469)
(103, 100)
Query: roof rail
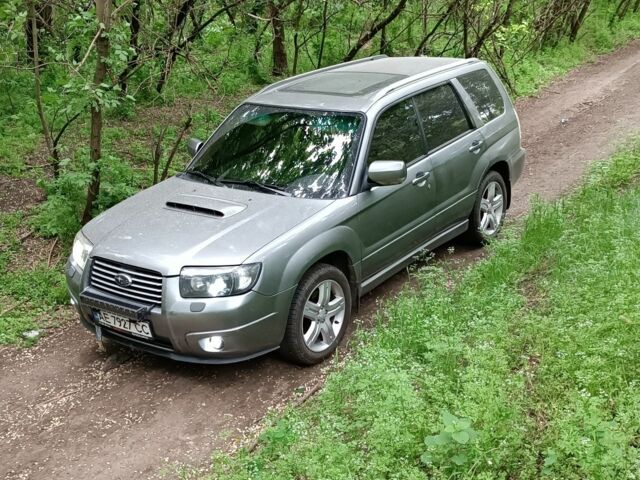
(419, 76)
(280, 83)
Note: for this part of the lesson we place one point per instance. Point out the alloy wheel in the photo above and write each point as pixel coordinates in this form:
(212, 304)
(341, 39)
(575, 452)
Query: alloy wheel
(491, 209)
(323, 316)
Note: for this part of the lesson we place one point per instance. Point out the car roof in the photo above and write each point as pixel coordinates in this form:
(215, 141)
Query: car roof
(352, 86)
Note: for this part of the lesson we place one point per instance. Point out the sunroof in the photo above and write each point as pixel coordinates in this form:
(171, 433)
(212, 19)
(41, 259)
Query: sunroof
(344, 83)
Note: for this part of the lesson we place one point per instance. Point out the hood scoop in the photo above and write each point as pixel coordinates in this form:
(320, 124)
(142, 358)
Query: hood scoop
(202, 205)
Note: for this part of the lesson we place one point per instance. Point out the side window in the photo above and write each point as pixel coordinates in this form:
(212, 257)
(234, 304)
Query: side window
(397, 135)
(484, 93)
(443, 117)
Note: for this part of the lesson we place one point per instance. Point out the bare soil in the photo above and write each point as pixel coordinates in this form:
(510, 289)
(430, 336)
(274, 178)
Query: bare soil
(18, 194)
(68, 411)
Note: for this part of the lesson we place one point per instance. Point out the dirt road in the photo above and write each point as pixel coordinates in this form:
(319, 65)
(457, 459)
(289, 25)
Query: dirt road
(62, 416)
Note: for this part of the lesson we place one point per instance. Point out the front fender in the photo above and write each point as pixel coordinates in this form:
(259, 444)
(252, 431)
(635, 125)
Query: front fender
(287, 259)
(281, 273)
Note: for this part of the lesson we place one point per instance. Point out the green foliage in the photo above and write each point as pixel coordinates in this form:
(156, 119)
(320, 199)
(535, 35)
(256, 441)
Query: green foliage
(59, 214)
(28, 295)
(9, 243)
(451, 445)
(536, 348)
(41, 285)
(228, 59)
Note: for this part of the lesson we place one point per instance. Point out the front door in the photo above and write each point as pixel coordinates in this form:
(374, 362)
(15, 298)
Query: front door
(395, 220)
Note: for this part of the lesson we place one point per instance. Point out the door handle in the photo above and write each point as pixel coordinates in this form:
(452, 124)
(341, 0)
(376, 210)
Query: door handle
(421, 179)
(475, 146)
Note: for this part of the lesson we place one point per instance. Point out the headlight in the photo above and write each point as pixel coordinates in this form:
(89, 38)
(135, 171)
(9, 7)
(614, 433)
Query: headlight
(81, 250)
(202, 282)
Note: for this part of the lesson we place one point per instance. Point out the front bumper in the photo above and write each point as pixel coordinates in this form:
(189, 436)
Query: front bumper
(250, 325)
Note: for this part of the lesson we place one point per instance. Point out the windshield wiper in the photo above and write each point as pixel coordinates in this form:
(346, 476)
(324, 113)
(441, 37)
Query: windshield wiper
(263, 186)
(209, 179)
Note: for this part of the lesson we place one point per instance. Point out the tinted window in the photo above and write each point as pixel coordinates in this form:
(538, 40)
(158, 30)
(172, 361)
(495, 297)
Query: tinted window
(306, 153)
(484, 93)
(443, 117)
(397, 135)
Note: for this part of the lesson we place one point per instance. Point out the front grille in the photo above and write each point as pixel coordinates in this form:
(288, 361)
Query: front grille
(145, 287)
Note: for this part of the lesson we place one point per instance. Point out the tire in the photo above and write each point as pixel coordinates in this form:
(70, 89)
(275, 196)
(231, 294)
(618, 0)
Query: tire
(489, 209)
(313, 333)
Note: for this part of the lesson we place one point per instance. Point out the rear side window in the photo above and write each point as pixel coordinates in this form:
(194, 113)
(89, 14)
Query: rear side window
(484, 93)
(443, 117)
(397, 135)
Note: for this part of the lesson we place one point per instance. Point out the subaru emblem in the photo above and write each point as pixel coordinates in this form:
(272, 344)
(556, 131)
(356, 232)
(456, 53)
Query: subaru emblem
(123, 280)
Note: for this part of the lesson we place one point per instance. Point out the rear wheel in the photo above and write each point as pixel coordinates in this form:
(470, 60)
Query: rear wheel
(319, 314)
(489, 209)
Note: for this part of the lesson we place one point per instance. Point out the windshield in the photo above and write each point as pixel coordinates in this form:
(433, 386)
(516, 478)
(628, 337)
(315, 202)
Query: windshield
(299, 153)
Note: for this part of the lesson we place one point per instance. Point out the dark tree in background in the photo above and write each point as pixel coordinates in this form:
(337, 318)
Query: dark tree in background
(103, 15)
(280, 63)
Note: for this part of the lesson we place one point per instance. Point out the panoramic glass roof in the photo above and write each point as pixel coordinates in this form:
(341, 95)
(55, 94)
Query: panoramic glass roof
(344, 83)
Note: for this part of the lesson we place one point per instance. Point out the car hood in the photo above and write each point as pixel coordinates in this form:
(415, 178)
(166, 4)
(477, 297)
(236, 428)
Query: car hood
(181, 223)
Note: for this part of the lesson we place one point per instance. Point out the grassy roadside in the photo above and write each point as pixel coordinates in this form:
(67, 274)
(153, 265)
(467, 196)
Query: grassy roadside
(538, 69)
(528, 367)
(32, 294)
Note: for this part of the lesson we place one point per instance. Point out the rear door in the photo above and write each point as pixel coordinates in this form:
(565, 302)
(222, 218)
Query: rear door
(454, 146)
(393, 219)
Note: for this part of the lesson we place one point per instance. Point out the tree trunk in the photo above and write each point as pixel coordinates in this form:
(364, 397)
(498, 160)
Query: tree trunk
(43, 15)
(172, 53)
(324, 33)
(578, 21)
(496, 22)
(367, 36)
(296, 29)
(621, 11)
(103, 15)
(134, 28)
(180, 45)
(427, 35)
(54, 159)
(176, 144)
(280, 64)
(465, 29)
(384, 46)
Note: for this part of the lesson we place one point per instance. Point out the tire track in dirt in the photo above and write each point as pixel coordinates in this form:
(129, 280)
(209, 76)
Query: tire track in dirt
(62, 416)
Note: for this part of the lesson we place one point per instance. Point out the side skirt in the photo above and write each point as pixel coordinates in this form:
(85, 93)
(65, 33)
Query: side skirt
(443, 237)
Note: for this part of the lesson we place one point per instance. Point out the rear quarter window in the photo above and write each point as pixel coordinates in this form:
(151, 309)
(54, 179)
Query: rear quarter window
(443, 117)
(484, 93)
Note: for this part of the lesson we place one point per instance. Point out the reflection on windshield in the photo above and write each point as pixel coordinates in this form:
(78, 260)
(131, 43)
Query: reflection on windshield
(307, 154)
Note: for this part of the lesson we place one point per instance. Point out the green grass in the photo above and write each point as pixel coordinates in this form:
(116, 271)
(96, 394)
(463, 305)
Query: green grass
(29, 296)
(527, 367)
(596, 37)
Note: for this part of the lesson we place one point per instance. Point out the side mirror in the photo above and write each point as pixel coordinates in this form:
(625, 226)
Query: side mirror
(193, 145)
(387, 172)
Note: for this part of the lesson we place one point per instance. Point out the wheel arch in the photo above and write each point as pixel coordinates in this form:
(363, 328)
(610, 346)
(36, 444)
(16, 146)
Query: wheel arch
(339, 246)
(501, 167)
(343, 262)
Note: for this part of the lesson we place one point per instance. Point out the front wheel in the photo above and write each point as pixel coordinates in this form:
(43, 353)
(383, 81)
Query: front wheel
(489, 209)
(319, 315)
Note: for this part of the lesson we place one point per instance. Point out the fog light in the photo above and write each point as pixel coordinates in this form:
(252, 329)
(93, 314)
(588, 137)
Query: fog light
(211, 344)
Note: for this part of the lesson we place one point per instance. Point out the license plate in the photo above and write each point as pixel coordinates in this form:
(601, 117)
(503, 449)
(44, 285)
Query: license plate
(139, 329)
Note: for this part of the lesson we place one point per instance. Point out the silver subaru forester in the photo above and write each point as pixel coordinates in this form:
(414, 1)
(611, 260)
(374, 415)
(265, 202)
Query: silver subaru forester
(312, 192)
